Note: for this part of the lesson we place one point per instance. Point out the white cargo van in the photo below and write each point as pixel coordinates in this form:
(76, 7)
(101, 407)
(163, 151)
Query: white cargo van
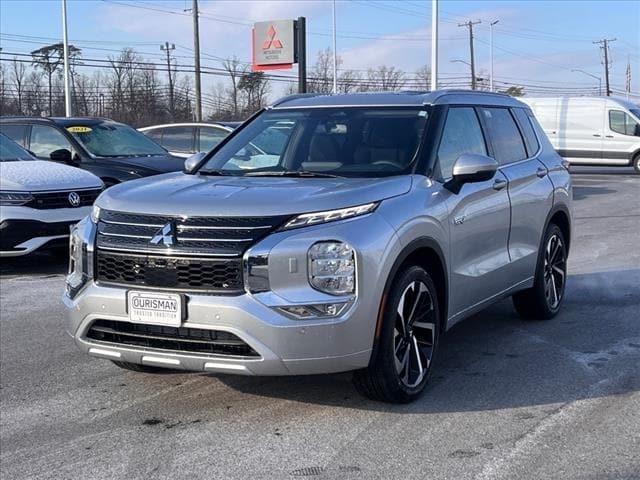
(591, 130)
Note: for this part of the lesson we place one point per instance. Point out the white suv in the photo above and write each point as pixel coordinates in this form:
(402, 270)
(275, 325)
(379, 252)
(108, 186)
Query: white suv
(39, 200)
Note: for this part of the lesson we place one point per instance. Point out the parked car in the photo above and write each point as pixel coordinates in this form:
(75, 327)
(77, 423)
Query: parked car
(113, 151)
(383, 220)
(185, 139)
(39, 201)
(591, 130)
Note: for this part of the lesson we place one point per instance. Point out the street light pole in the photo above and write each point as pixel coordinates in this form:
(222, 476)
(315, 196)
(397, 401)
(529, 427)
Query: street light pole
(335, 52)
(592, 76)
(491, 54)
(65, 48)
(434, 45)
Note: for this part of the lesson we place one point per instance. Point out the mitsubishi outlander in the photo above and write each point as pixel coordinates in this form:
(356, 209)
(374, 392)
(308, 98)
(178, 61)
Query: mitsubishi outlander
(381, 220)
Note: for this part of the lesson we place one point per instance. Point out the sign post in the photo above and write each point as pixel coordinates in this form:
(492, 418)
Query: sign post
(278, 44)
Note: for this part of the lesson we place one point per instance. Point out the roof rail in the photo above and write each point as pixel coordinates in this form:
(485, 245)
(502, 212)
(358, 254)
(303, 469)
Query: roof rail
(294, 96)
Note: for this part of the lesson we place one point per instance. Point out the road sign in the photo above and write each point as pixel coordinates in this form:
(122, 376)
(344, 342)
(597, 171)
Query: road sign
(273, 45)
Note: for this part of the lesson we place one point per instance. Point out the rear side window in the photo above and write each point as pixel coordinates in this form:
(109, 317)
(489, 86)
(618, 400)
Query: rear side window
(461, 134)
(210, 137)
(178, 139)
(530, 139)
(621, 122)
(505, 137)
(17, 133)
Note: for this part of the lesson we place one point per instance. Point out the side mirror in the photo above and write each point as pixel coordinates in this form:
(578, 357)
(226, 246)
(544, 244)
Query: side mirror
(62, 156)
(191, 163)
(470, 168)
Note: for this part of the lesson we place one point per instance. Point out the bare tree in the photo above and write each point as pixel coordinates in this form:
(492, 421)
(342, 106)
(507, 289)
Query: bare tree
(18, 77)
(385, 78)
(423, 77)
(321, 74)
(255, 87)
(235, 70)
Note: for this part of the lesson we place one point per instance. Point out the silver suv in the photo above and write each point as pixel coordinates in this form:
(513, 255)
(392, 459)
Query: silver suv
(373, 223)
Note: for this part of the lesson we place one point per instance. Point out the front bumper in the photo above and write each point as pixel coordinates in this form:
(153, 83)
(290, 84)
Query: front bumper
(285, 346)
(24, 229)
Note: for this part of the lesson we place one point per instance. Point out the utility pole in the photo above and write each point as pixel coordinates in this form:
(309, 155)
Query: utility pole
(491, 24)
(65, 48)
(605, 47)
(627, 88)
(168, 47)
(196, 50)
(434, 45)
(470, 25)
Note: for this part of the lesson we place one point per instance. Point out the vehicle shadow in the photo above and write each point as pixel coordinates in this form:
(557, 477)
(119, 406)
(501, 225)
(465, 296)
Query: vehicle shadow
(496, 360)
(581, 192)
(46, 262)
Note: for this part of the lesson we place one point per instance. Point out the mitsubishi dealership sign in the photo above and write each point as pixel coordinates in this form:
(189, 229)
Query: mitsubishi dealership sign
(273, 45)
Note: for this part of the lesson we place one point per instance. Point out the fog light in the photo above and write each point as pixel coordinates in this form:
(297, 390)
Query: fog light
(332, 268)
(320, 310)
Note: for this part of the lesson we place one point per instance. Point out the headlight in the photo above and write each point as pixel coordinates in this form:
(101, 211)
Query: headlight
(330, 215)
(80, 267)
(95, 214)
(15, 198)
(332, 268)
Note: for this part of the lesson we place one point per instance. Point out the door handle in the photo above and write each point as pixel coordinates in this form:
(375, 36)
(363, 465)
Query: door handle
(541, 172)
(499, 184)
(596, 135)
(609, 136)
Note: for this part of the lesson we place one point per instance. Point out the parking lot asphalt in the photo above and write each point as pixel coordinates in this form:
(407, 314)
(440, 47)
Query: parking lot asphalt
(510, 399)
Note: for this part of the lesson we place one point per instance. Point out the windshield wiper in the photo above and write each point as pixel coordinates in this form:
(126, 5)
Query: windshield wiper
(291, 173)
(216, 172)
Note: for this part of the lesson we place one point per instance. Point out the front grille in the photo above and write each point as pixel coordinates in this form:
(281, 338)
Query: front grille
(175, 273)
(49, 200)
(177, 339)
(211, 236)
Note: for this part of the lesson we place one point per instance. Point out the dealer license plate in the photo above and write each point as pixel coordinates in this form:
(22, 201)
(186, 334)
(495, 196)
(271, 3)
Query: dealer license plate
(155, 308)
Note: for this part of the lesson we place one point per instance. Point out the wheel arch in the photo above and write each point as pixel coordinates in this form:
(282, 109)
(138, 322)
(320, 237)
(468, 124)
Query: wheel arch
(424, 252)
(561, 217)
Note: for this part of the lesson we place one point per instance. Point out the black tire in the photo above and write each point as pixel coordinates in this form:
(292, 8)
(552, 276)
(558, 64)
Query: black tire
(389, 378)
(636, 163)
(544, 299)
(134, 367)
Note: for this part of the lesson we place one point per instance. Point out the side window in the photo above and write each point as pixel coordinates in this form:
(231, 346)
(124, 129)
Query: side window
(45, 139)
(210, 137)
(17, 133)
(504, 134)
(530, 139)
(461, 134)
(178, 139)
(155, 135)
(621, 122)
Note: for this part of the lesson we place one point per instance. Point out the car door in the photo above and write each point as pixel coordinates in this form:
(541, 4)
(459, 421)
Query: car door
(622, 137)
(516, 148)
(479, 218)
(179, 140)
(45, 139)
(209, 137)
(580, 130)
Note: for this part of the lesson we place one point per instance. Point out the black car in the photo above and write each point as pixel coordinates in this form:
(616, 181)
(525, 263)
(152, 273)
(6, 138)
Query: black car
(113, 151)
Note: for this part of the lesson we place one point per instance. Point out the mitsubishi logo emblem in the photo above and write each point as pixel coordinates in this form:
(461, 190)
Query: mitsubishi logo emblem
(271, 41)
(166, 235)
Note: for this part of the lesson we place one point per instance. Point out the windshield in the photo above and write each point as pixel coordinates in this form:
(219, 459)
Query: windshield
(349, 142)
(636, 112)
(114, 140)
(11, 151)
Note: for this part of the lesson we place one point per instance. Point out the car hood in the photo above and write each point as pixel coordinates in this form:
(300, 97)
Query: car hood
(199, 195)
(42, 175)
(156, 163)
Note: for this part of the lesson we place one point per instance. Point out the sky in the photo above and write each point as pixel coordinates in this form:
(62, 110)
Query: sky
(536, 43)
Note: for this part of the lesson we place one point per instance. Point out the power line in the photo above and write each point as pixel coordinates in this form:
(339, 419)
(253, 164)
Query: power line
(604, 45)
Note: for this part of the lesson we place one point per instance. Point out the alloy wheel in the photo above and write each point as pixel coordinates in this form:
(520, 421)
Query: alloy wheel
(414, 334)
(555, 271)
